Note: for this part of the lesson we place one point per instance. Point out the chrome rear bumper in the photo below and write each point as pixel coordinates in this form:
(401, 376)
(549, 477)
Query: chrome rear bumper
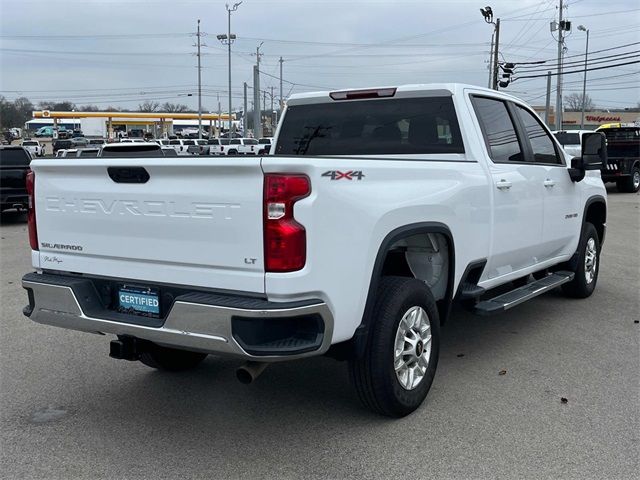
(190, 324)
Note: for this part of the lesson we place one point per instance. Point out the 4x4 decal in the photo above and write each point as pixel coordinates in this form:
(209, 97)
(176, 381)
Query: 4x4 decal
(338, 175)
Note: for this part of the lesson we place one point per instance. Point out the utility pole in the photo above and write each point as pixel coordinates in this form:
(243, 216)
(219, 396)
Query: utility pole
(227, 39)
(548, 102)
(199, 87)
(219, 126)
(495, 55)
(257, 122)
(493, 37)
(257, 127)
(271, 112)
(559, 79)
(281, 99)
(487, 13)
(244, 116)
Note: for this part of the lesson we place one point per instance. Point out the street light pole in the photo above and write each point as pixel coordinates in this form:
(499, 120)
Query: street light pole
(228, 40)
(561, 27)
(199, 87)
(584, 81)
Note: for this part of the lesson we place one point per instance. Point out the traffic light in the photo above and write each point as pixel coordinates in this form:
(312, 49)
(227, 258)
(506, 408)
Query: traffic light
(507, 71)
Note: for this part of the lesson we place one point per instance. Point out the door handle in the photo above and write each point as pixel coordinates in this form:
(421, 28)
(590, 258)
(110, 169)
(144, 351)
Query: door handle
(549, 183)
(503, 184)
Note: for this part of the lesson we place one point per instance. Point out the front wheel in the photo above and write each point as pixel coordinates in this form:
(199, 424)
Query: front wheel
(586, 273)
(395, 373)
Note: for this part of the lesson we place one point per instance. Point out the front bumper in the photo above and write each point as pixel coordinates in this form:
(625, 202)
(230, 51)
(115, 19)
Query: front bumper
(246, 327)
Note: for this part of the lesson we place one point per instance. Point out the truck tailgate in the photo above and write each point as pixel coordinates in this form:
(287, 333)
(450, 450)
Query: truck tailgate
(194, 222)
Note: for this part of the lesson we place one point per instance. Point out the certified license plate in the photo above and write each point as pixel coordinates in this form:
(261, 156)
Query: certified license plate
(139, 301)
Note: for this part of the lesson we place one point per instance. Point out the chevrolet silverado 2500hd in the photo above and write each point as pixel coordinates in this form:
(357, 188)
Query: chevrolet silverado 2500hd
(375, 211)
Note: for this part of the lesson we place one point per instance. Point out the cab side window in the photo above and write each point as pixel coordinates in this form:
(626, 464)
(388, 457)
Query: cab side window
(542, 146)
(499, 130)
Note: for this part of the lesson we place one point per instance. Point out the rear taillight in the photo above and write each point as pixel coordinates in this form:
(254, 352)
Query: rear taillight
(31, 212)
(285, 240)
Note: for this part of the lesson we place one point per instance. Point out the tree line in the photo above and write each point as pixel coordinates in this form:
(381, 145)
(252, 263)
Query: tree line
(17, 112)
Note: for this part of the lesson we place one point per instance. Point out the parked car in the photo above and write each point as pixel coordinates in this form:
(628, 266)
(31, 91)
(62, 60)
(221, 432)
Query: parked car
(44, 132)
(69, 152)
(198, 148)
(168, 151)
(34, 147)
(571, 140)
(87, 152)
(623, 165)
(265, 145)
(79, 142)
(243, 146)
(14, 166)
(217, 146)
(62, 144)
(381, 210)
(181, 146)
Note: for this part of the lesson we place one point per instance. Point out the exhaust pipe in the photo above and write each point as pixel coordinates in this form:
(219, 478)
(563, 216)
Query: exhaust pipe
(250, 371)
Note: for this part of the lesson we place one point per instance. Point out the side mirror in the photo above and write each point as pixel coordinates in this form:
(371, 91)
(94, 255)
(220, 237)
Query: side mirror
(594, 151)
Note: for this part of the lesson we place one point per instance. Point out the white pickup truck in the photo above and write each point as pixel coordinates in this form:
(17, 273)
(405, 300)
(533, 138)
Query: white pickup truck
(35, 148)
(376, 211)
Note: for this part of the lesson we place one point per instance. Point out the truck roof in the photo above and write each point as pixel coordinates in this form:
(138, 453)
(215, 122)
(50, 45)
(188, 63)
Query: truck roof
(400, 91)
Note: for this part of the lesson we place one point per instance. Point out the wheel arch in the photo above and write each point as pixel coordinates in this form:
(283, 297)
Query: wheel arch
(444, 306)
(595, 212)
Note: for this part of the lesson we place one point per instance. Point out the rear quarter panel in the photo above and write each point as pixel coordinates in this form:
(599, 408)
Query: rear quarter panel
(347, 221)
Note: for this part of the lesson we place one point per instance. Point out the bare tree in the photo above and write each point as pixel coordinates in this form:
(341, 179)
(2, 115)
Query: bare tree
(573, 102)
(148, 106)
(58, 106)
(174, 107)
(89, 108)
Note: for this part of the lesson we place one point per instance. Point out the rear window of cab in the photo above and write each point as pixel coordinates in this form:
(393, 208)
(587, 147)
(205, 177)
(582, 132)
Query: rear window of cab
(424, 125)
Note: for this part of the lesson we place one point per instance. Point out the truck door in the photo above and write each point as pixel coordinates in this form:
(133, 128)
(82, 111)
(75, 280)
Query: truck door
(516, 183)
(561, 216)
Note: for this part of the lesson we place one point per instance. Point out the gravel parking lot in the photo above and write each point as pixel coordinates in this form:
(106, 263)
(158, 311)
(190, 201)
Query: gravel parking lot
(69, 411)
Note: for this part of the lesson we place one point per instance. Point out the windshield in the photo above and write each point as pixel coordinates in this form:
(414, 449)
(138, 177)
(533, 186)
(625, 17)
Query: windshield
(31, 144)
(14, 157)
(371, 127)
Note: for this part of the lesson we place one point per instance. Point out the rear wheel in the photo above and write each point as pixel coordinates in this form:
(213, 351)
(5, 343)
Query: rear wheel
(395, 373)
(586, 274)
(630, 184)
(170, 359)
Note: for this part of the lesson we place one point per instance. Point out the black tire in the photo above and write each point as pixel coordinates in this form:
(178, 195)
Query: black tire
(373, 374)
(170, 359)
(630, 184)
(581, 286)
(233, 152)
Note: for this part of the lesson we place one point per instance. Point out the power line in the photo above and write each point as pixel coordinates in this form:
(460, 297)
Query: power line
(580, 71)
